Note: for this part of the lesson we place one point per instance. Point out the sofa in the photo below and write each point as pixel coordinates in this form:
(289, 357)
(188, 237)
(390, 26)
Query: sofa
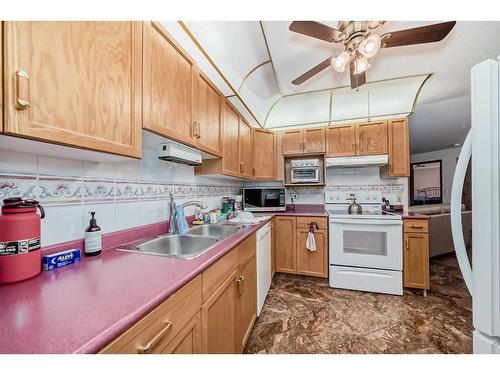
(440, 238)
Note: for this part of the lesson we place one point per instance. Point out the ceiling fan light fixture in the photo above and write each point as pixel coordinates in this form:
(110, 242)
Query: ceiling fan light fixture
(370, 46)
(361, 64)
(339, 63)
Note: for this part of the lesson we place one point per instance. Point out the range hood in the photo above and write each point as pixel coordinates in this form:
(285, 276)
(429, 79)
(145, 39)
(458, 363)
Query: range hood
(178, 153)
(358, 161)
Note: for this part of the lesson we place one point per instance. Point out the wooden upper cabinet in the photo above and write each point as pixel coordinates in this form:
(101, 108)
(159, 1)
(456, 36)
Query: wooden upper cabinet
(399, 147)
(168, 86)
(208, 115)
(371, 138)
(293, 142)
(230, 141)
(314, 141)
(341, 141)
(246, 150)
(74, 83)
(264, 154)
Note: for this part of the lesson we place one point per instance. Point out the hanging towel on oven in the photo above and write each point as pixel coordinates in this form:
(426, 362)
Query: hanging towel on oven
(310, 240)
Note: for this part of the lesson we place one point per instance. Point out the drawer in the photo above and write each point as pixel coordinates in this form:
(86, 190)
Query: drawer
(416, 225)
(215, 275)
(366, 279)
(246, 247)
(304, 222)
(160, 326)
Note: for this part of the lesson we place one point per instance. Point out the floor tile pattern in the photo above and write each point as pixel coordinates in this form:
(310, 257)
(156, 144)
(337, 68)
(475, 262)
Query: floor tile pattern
(304, 315)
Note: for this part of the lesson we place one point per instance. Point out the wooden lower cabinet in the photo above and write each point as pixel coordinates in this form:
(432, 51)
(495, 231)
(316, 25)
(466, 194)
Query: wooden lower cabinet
(291, 253)
(188, 340)
(416, 255)
(219, 319)
(246, 300)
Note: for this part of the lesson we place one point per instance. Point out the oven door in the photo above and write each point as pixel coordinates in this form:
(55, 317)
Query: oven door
(368, 243)
(300, 175)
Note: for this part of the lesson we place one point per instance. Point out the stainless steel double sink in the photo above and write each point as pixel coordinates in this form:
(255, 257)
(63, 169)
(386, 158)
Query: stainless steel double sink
(197, 240)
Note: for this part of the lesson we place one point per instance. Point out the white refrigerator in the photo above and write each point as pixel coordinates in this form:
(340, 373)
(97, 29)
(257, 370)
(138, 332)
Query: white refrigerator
(482, 143)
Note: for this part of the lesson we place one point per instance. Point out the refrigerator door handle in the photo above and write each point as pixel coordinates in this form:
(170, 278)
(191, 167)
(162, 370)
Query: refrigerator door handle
(456, 211)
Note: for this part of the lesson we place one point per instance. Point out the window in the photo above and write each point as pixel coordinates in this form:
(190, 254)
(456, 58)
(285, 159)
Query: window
(426, 183)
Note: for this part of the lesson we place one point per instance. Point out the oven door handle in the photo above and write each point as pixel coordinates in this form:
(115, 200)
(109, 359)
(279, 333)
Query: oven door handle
(367, 221)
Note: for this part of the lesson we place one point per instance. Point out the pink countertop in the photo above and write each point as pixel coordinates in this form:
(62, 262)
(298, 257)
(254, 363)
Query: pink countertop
(301, 210)
(82, 307)
(411, 215)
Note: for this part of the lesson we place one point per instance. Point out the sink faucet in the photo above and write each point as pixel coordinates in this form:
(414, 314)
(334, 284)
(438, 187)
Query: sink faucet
(173, 219)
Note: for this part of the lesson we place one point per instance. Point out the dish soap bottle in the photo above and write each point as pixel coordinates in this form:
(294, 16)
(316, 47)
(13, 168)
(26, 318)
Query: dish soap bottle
(93, 244)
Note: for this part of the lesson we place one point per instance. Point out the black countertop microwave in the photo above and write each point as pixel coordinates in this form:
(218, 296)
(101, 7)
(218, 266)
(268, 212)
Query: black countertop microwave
(264, 199)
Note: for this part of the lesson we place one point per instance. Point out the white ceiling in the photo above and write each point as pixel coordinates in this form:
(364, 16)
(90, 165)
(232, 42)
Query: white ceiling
(442, 109)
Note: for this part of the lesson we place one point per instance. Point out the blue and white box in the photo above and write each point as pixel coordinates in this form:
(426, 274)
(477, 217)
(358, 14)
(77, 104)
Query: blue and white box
(60, 259)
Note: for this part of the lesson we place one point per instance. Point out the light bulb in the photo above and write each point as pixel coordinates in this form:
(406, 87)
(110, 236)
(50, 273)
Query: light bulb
(370, 46)
(361, 64)
(340, 62)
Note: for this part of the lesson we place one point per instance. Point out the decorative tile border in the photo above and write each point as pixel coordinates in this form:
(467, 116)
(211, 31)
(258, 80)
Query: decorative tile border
(66, 190)
(393, 188)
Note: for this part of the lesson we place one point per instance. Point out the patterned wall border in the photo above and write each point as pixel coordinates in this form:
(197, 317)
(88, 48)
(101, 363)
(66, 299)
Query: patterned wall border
(66, 190)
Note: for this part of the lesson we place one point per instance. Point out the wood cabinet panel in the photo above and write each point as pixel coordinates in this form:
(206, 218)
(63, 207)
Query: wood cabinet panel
(416, 260)
(314, 141)
(371, 138)
(293, 142)
(246, 291)
(215, 275)
(81, 82)
(188, 340)
(219, 320)
(208, 114)
(280, 159)
(341, 141)
(415, 225)
(246, 150)
(168, 85)
(230, 141)
(399, 148)
(312, 263)
(163, 324)
(286, 244)
(305, 221)
(264, 154)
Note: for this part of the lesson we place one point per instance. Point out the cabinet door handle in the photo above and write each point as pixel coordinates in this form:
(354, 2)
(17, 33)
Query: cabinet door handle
(407, 244)
(143, 349)
(194, 129)
(240, 284)
(253, 171)
(198, 130)
(242, 166)
(391, 168)
(22, 91)
(353, 147)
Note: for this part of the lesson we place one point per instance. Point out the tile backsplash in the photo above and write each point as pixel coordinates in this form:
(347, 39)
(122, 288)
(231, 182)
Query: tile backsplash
(124, 194)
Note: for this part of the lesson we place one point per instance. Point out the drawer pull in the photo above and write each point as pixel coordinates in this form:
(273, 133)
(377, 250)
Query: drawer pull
(22, 91)
(417, 227)
(407, 244)
(143, 349)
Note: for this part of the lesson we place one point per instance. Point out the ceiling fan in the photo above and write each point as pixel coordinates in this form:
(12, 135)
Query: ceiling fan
(361, 42)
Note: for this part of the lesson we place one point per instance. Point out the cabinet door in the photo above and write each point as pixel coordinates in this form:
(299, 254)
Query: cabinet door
(188, 340)
(230, 141)
(75, 83)
(416, 260)
(293, 142)
(312, 263)
(246, 291)
(341, 141)
(264, 154)
(208, 116)
(219, 320)
(280, 160)
(399, 148)
(168, 79)
(314, 141)
(371, 138)
(246, 150)
(285, 244)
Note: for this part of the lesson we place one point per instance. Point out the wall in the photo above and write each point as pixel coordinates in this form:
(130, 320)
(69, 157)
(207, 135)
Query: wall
(449, 161)
(124, 194)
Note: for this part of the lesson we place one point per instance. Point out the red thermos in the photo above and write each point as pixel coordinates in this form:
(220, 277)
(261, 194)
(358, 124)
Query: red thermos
(20, 255)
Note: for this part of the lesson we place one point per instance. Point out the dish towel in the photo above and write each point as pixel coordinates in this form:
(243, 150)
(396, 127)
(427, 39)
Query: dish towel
(311, 241)
(182, 224)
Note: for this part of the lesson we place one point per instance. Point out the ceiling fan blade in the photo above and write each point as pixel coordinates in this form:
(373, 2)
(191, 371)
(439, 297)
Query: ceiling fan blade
(314, 29)
(356, 79)
(417, 35)
(312, 72)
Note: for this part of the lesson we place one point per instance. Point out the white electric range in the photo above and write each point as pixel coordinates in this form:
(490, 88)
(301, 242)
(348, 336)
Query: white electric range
(365, 250)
